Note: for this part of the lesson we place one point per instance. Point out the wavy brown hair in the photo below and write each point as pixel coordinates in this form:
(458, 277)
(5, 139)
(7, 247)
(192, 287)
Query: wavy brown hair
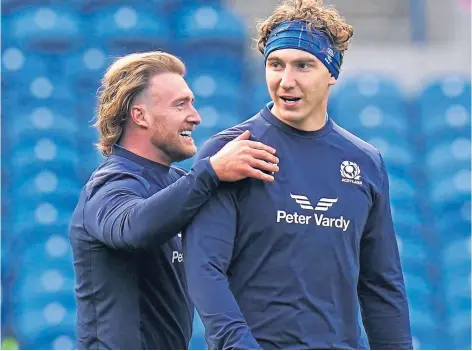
(317, 15)
(125, 79)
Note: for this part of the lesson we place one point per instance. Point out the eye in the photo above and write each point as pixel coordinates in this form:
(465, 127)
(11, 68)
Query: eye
(275, 65)
(303, 65)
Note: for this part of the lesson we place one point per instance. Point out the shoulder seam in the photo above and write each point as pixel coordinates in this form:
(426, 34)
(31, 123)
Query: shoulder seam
(378, 165)
(366, 153)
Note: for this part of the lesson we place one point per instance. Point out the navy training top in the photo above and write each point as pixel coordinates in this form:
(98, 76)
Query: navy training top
(130, 286)
(284, 265)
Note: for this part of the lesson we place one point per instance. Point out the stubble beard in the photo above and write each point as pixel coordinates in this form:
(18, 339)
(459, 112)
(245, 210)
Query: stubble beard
(171, 146)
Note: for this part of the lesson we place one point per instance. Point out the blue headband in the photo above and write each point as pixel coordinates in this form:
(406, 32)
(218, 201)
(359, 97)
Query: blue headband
(296, 35)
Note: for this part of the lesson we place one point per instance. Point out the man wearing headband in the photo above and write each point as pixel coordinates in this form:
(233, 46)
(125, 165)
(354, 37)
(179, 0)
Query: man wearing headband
(289, 264)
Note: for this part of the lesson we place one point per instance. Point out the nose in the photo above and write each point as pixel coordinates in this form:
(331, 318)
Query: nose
(288, 79)
(194, 117)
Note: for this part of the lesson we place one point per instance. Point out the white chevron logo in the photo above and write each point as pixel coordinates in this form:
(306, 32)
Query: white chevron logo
(302, 201)
(324, 204)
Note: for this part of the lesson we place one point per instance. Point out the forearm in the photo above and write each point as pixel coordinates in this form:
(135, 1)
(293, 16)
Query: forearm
(133, 223)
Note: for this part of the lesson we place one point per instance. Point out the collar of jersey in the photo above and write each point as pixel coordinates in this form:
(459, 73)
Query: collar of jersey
(119, 150)
(272, 119)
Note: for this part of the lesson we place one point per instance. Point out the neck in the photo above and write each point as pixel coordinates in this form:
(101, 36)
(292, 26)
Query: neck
(312, 122)
(143, 147)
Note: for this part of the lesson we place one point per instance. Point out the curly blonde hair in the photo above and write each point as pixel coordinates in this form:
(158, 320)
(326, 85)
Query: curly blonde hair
(322, 17)
(125, 79)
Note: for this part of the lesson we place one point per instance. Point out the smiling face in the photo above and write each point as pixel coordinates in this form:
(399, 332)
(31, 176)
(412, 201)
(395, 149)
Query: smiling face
(171, 117)
(298, 83)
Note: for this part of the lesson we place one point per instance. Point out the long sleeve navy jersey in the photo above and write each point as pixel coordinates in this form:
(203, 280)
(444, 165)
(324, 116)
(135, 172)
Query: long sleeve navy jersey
(284, 265)
(130, 286)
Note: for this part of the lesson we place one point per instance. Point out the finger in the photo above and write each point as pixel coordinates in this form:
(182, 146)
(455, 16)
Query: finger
(257, 174)
(264, 166)
(244, 136)
(260, 146)
(264, 155)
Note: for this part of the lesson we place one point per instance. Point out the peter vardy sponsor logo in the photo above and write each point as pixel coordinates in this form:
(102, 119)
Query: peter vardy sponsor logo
(177, 256)
(319, 219)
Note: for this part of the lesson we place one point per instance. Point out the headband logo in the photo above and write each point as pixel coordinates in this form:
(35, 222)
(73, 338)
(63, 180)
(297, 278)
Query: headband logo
(329, 56)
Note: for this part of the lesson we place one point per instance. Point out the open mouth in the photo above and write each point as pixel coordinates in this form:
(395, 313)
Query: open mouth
(290, 100)
(186, 134)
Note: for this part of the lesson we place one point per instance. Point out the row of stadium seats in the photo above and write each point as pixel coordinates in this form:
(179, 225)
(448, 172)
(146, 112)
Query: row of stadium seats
(90, 6)
(56, 29)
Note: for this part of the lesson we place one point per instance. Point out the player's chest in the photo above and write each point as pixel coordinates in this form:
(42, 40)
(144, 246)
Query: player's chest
(334, 197)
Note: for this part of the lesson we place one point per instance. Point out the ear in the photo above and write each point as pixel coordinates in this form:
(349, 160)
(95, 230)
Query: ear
(331, 81)
(139, 116)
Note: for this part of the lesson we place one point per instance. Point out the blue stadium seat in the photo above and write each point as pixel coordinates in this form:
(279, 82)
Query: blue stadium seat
(410, 227)
(370, 105)
(458, 207)
(460, 331)
(199, 2)
(214, 119)
(402, 191)
(55, 283)
(445, 158)
(39, 121)
(12, 6)
(457, 255)
(427, 338)
(47, 29)
(398, 155)
(214, 89)
(154, 6)
(38, 91)
(421, 318)
(444, 106)
(449, 188)
(43, 146)
(453, 227)
(47, 209)
(44, 176)
(259, 98)
(413, 253)
(85, 68)
(44, 265)
(47, 182)
(19, 65)
(45, 142)
(47, 91)
(46, 316)
(215, 60)
(53, 237)
(458, 295)
(45, 292)
(127, 29)
(57, 337)
(89, 6)
(209, 26)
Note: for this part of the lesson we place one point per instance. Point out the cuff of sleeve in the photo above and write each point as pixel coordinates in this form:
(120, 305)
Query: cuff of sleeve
(205, 171)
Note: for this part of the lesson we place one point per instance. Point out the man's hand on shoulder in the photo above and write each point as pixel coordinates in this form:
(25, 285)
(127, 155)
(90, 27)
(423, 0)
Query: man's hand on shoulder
(242, 158)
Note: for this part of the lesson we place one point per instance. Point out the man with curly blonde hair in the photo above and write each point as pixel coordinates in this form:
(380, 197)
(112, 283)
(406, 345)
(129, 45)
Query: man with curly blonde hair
(131, 291)
(287, 264)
